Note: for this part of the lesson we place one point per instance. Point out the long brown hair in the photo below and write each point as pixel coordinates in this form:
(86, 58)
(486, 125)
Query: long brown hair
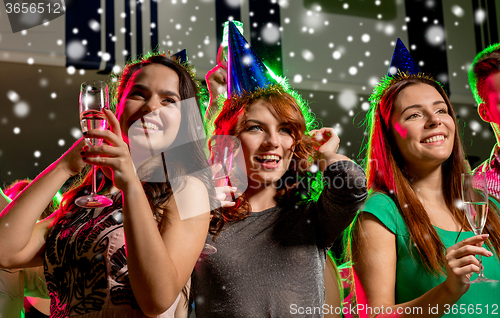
(386, 173)
(159, 193)
(287, 109)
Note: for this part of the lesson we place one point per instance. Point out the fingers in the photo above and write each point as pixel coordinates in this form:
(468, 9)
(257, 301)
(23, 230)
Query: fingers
(470, 241)
(221, 194)
(216, 168)
(109, 136)
(113, 122)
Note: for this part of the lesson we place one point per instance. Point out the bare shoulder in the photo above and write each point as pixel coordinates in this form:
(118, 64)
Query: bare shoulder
(191, 199)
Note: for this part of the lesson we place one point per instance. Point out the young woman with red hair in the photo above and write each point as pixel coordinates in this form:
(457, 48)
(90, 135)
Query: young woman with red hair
(271, 255)
(412, 248)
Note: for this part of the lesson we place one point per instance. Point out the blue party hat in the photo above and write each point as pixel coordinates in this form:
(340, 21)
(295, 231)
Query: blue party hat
(181, 56)
(402, 61)
(245, 71)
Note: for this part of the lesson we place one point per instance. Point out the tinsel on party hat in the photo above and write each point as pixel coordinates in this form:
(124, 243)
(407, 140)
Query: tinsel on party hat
(245, 70)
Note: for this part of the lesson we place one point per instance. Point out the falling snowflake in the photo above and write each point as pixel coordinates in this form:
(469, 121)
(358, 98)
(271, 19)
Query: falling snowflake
(308, 55)
(297, 78)
(21, 109)
(94, 25)
(480, 16)
(347, 99)
(13, 96)
(435, 35)
(458, 11)
(270, 33)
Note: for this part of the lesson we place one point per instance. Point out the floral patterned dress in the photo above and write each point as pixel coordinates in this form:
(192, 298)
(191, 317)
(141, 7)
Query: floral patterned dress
(86, 267)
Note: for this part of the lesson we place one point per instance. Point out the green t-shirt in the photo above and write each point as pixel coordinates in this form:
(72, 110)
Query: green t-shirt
(412, 279)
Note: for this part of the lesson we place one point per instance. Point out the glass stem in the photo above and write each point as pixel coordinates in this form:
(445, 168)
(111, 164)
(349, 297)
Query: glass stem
(481, 274)
(94, 180)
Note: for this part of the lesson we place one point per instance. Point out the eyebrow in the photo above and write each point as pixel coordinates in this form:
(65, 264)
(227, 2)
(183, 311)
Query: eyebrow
(263, 124)
(163, 92)
(420, 106)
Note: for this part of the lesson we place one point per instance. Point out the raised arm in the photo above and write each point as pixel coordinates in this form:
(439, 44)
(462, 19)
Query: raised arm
(159, 263)
(345, 188)
(375, 257)
(216, 80)
(21, 241)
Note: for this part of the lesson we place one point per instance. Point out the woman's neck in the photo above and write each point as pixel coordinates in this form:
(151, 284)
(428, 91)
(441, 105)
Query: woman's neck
(428, 184)
(261, 198)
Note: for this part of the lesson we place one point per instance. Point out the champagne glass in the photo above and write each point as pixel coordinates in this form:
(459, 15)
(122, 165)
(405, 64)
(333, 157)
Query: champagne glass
(94, 98)
(475, 200)
(223, 148)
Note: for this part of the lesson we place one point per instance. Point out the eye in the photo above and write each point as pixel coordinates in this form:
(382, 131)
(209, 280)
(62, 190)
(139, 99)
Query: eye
(169, 100)
(137, 94)
(285, 130)
(442, 111)
(254, 128)
(412, 116)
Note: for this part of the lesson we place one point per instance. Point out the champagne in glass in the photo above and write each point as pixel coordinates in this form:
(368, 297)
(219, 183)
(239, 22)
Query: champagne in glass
(475, 204)
(94, 98)
(93, 119)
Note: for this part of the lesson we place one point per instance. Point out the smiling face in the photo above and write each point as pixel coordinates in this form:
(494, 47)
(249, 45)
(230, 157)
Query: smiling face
(422, 126)
(150, 114)
(267, 144)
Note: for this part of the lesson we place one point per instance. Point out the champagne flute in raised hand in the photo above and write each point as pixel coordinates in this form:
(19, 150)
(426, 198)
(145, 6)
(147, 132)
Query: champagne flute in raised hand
(94, 98)
(475, 200)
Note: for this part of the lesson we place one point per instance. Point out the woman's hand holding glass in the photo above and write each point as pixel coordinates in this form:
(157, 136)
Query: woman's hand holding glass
(71, 161)
(113, 154)
(461, 262)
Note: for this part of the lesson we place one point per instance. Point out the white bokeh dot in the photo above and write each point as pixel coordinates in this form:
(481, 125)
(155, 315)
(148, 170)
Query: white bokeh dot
(297, 78)
(76, 132)
(347, 99)
(53, 95)
(61, 142)
(16, 130)
(37, 154)
(337, 55)
(458, 11)
(308, 55)
(21, 109)
(353, 70)
(365, 38)
(13, 96)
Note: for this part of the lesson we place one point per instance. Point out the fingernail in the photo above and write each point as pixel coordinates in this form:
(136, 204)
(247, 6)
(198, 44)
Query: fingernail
(490, 253)
(485, 235)
(234, 188)
(232, 203)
